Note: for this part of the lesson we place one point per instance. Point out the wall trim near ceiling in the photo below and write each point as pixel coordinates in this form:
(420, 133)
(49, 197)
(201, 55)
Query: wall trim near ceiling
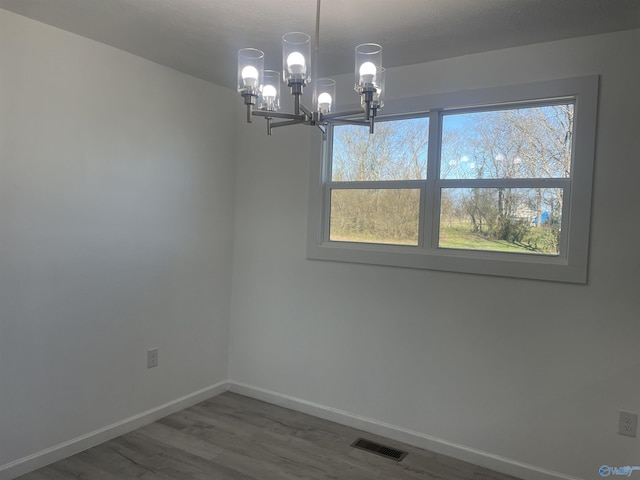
(44, 457)
(400, 434)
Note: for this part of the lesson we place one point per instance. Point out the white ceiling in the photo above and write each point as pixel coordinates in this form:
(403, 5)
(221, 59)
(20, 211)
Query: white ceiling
(201, 37)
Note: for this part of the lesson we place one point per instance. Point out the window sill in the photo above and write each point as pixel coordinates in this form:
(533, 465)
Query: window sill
(514, 265)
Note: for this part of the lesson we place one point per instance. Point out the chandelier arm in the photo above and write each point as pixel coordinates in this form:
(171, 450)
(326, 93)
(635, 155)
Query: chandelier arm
(290, 116)
(286, 123)
(306, 111)
(338, 115)
(346, 121)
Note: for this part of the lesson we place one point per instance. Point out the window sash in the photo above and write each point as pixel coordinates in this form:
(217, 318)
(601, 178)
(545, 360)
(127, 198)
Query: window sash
(429, 230)
(375, 185)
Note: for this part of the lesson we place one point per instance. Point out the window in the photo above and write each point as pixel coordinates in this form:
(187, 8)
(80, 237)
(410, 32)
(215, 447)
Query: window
(494, 181)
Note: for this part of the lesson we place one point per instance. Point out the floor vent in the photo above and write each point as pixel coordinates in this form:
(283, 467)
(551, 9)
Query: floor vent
(378, 449)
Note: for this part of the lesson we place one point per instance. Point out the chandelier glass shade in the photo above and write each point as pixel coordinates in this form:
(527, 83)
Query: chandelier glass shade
(260, 88)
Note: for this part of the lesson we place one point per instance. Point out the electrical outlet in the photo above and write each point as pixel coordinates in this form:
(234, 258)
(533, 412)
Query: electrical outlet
(628, 424)
(152, 357)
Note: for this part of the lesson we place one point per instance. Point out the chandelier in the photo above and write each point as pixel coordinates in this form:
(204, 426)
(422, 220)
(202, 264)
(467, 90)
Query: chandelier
(260, 88)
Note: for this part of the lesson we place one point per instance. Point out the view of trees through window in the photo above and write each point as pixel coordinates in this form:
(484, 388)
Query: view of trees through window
(396, 151)
(500, 183)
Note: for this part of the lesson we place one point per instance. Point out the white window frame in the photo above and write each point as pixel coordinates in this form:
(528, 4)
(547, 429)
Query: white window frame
(569, 266)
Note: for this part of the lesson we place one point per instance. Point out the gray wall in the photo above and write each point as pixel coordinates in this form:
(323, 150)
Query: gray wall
(116, 219)
(527, 370)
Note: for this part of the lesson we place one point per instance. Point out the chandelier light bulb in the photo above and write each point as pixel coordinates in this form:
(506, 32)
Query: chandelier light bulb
(367, 72)
(296, 64)
(269, 93)
(250, 76)
(269, 98)
(324, 102)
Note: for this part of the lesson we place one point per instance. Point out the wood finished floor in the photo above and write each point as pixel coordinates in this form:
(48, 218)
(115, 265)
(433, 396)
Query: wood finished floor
(232, 437)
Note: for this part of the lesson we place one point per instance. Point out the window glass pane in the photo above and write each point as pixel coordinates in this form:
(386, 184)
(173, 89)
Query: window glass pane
(387, 216)
(519, 143)
(521, 220)
(397, 150)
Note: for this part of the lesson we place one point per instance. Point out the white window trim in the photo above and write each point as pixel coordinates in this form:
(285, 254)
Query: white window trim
(569, 267)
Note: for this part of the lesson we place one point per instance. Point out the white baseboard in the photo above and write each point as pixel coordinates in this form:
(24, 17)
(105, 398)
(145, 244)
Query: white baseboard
(410, 437)
(494, 462)
(58, 452)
